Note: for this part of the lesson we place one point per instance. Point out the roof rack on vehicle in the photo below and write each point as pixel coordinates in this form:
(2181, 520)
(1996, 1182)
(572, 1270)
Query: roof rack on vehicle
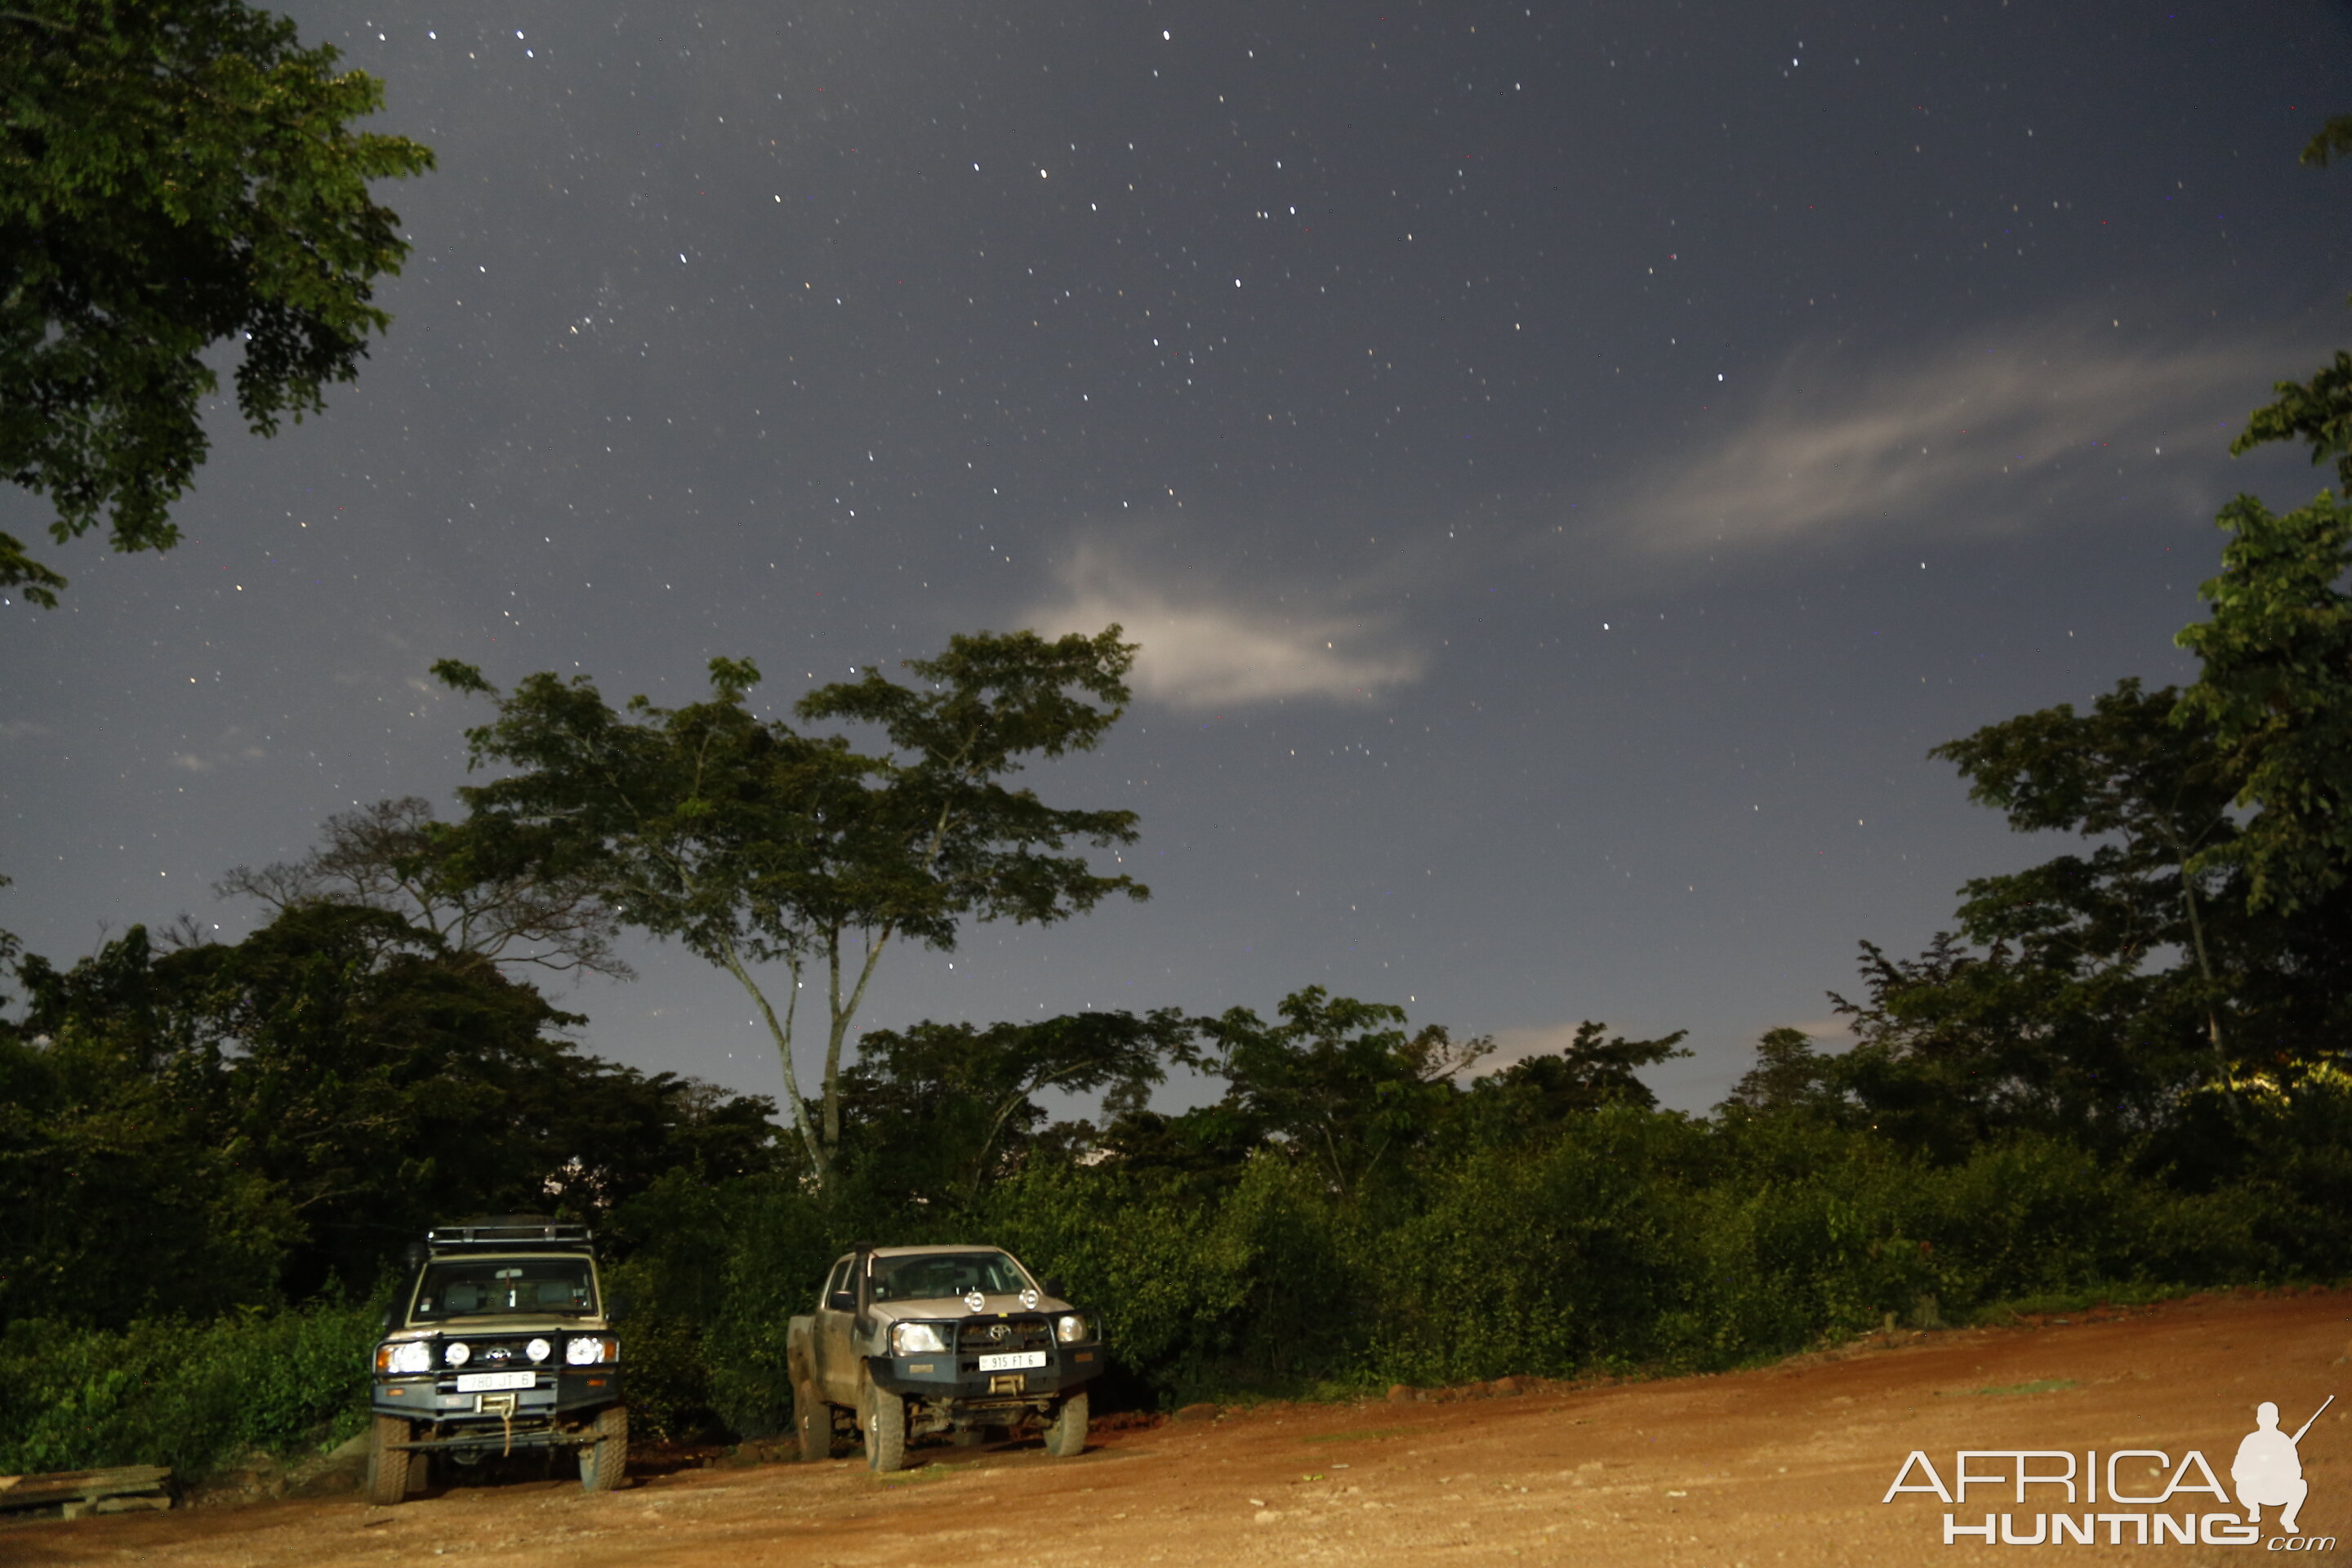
(505, 1230)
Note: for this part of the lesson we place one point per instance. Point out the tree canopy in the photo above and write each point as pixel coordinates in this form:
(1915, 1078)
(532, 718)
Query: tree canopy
(2276, 689)
(174, 174)
(394, 855)
(1340, 1080)
(752, 843)
(938, 1109)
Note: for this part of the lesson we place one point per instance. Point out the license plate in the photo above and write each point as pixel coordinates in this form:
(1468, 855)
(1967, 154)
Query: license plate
(484, 1381)
(1012, 1361)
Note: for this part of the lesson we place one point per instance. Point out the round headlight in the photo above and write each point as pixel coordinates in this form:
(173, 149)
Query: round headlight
(1070, 1328)
(456, 1353)
(587, 1350)
(539, 1350)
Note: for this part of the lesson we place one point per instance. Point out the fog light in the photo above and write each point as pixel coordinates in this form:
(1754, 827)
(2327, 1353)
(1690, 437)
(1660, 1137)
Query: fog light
(539, 1350)
(456, 1353)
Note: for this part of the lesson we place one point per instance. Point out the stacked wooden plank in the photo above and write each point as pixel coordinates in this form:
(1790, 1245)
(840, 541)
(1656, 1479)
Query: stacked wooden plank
(122, 1490)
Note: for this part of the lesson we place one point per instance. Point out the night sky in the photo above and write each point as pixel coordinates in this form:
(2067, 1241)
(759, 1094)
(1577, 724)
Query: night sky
(1565, 464)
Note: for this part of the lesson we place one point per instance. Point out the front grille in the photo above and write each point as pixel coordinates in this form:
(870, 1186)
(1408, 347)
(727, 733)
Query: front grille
(987, 1336)
(498, 1355)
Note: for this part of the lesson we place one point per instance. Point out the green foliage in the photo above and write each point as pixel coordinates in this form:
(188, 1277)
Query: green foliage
(1955, 1046)
(2333, 140)
(2276, 689)
(1174, 1278)
(1586, 1074)
(190, 1395)
(2144, 778)
(1622, 1239)
(173, 175)
(2317, 412)
(1788, 1075)
(1615, 1239)
(119, 1202)
(940, 1108)
(1574, 1255)
(1337, 1080)
(2137, 770)
(730, 1262)
(2107, 992)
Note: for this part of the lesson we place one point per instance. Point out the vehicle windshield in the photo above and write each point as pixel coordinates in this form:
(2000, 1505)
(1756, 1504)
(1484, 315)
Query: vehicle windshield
(923, 1276)
(471, 1288)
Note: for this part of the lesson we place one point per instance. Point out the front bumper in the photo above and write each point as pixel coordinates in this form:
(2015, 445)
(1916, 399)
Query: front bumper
(435, 1398)
(950, 1376)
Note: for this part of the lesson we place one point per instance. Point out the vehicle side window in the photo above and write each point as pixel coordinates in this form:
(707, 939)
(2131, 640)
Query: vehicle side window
(837, 1281)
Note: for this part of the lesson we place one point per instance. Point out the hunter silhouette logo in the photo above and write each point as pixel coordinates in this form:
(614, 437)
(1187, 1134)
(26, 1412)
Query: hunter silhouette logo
(2266, 1473)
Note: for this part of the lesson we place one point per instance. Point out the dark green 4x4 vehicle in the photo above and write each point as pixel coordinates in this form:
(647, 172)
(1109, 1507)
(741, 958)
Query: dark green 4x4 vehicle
(499, 1339)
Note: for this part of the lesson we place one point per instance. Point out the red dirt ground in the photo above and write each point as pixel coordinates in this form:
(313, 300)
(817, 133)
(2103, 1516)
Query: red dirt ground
(1782, 1465)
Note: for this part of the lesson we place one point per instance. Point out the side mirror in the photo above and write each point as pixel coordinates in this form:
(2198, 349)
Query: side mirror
(616, 1308)
(1054, 1289)
(841, 1301)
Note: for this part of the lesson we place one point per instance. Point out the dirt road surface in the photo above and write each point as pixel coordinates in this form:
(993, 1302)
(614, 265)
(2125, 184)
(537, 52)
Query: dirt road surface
(1782, 1465)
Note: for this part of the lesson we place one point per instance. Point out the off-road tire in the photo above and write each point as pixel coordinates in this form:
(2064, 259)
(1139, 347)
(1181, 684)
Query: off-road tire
(812, 1423)
(882, 1422)
(387, 1466)
(1065, 1435)
(605, 1464)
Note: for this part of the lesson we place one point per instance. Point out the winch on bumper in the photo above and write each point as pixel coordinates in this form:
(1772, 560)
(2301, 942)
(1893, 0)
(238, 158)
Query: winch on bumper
(1015, 1360)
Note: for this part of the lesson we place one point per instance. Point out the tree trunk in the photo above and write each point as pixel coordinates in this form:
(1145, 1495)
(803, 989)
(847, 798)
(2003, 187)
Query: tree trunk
(781, 1032)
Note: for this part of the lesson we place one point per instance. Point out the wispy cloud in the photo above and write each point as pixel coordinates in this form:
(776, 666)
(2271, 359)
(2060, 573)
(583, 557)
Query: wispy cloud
(1209, 645)
(1979, 435)
(225, 752)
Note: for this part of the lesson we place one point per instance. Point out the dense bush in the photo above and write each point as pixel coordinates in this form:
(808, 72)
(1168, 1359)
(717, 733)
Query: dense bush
(190, 1395)
(1631, 1239)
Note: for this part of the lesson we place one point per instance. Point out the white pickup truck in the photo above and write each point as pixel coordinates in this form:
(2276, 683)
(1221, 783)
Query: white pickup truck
(914, 1340)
